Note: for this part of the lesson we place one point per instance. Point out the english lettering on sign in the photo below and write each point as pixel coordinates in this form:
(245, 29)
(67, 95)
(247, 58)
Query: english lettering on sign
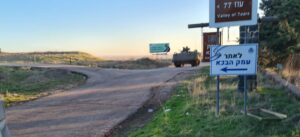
(233, 12)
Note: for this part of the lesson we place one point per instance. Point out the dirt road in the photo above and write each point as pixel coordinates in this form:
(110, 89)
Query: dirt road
(107, 98)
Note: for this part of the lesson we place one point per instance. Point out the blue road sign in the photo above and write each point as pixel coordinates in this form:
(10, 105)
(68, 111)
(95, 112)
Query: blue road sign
(234, 60)
(160, 48)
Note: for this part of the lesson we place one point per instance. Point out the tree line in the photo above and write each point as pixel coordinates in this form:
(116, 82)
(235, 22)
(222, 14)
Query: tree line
(279, 40)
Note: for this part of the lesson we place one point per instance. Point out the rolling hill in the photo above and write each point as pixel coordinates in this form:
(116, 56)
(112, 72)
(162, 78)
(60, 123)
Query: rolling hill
(74, 58)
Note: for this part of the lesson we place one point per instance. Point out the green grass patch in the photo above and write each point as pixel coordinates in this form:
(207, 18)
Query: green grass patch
(19, 84)
(81, 58)
(191, 111)
(73, 58)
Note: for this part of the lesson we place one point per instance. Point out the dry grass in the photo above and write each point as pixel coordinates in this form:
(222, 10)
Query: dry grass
(74, 58)
(81, 58)
(143, 63)
(292, 69)
(192, 111)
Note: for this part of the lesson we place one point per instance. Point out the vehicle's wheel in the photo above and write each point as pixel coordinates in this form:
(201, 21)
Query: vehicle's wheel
(194, 64)
(198, 62)
(177, 65)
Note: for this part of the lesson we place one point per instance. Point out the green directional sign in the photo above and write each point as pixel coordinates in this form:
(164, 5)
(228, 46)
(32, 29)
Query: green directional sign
(160, 48)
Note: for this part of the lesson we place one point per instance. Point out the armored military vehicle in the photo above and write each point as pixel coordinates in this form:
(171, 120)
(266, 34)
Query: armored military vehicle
(186, 57)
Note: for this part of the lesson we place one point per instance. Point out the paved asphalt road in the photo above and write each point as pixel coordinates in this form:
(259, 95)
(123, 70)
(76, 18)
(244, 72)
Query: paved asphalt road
(107, 98)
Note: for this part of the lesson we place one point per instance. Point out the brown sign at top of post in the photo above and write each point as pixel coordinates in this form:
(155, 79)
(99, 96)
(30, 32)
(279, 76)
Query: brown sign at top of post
(233, 10)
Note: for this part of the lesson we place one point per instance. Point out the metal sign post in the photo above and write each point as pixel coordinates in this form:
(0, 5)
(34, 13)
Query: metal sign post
(218, 80)
(233, 60)
(218, 97)
(245, 95)
(245, 79)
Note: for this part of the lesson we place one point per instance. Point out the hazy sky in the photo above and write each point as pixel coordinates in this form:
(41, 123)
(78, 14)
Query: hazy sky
(100, 27)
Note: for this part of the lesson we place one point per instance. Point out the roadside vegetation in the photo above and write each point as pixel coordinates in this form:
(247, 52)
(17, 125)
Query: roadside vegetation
(81, 58)
(143, 63)
(191, 111)
(280, 40)
(291, 72)
(20, 84)
(70, 58)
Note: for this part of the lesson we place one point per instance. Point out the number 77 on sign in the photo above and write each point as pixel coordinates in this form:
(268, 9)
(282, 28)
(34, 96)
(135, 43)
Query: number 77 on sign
(225, 13)
(235, 4)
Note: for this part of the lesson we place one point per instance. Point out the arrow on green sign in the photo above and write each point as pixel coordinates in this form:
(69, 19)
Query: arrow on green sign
(160, 48)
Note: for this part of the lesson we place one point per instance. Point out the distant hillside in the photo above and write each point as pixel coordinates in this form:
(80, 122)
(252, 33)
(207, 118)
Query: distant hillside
(142, 63)
(81, 58)
(74, 58)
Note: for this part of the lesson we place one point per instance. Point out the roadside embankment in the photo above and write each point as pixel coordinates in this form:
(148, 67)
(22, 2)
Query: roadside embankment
(191, 111)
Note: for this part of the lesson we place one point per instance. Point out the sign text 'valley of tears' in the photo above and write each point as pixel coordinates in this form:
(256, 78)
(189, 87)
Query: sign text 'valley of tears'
(233, 12)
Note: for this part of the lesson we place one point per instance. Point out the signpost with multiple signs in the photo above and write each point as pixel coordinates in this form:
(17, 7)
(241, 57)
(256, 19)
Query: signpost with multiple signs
(225, 13)
(159, 48)
(233, 60)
